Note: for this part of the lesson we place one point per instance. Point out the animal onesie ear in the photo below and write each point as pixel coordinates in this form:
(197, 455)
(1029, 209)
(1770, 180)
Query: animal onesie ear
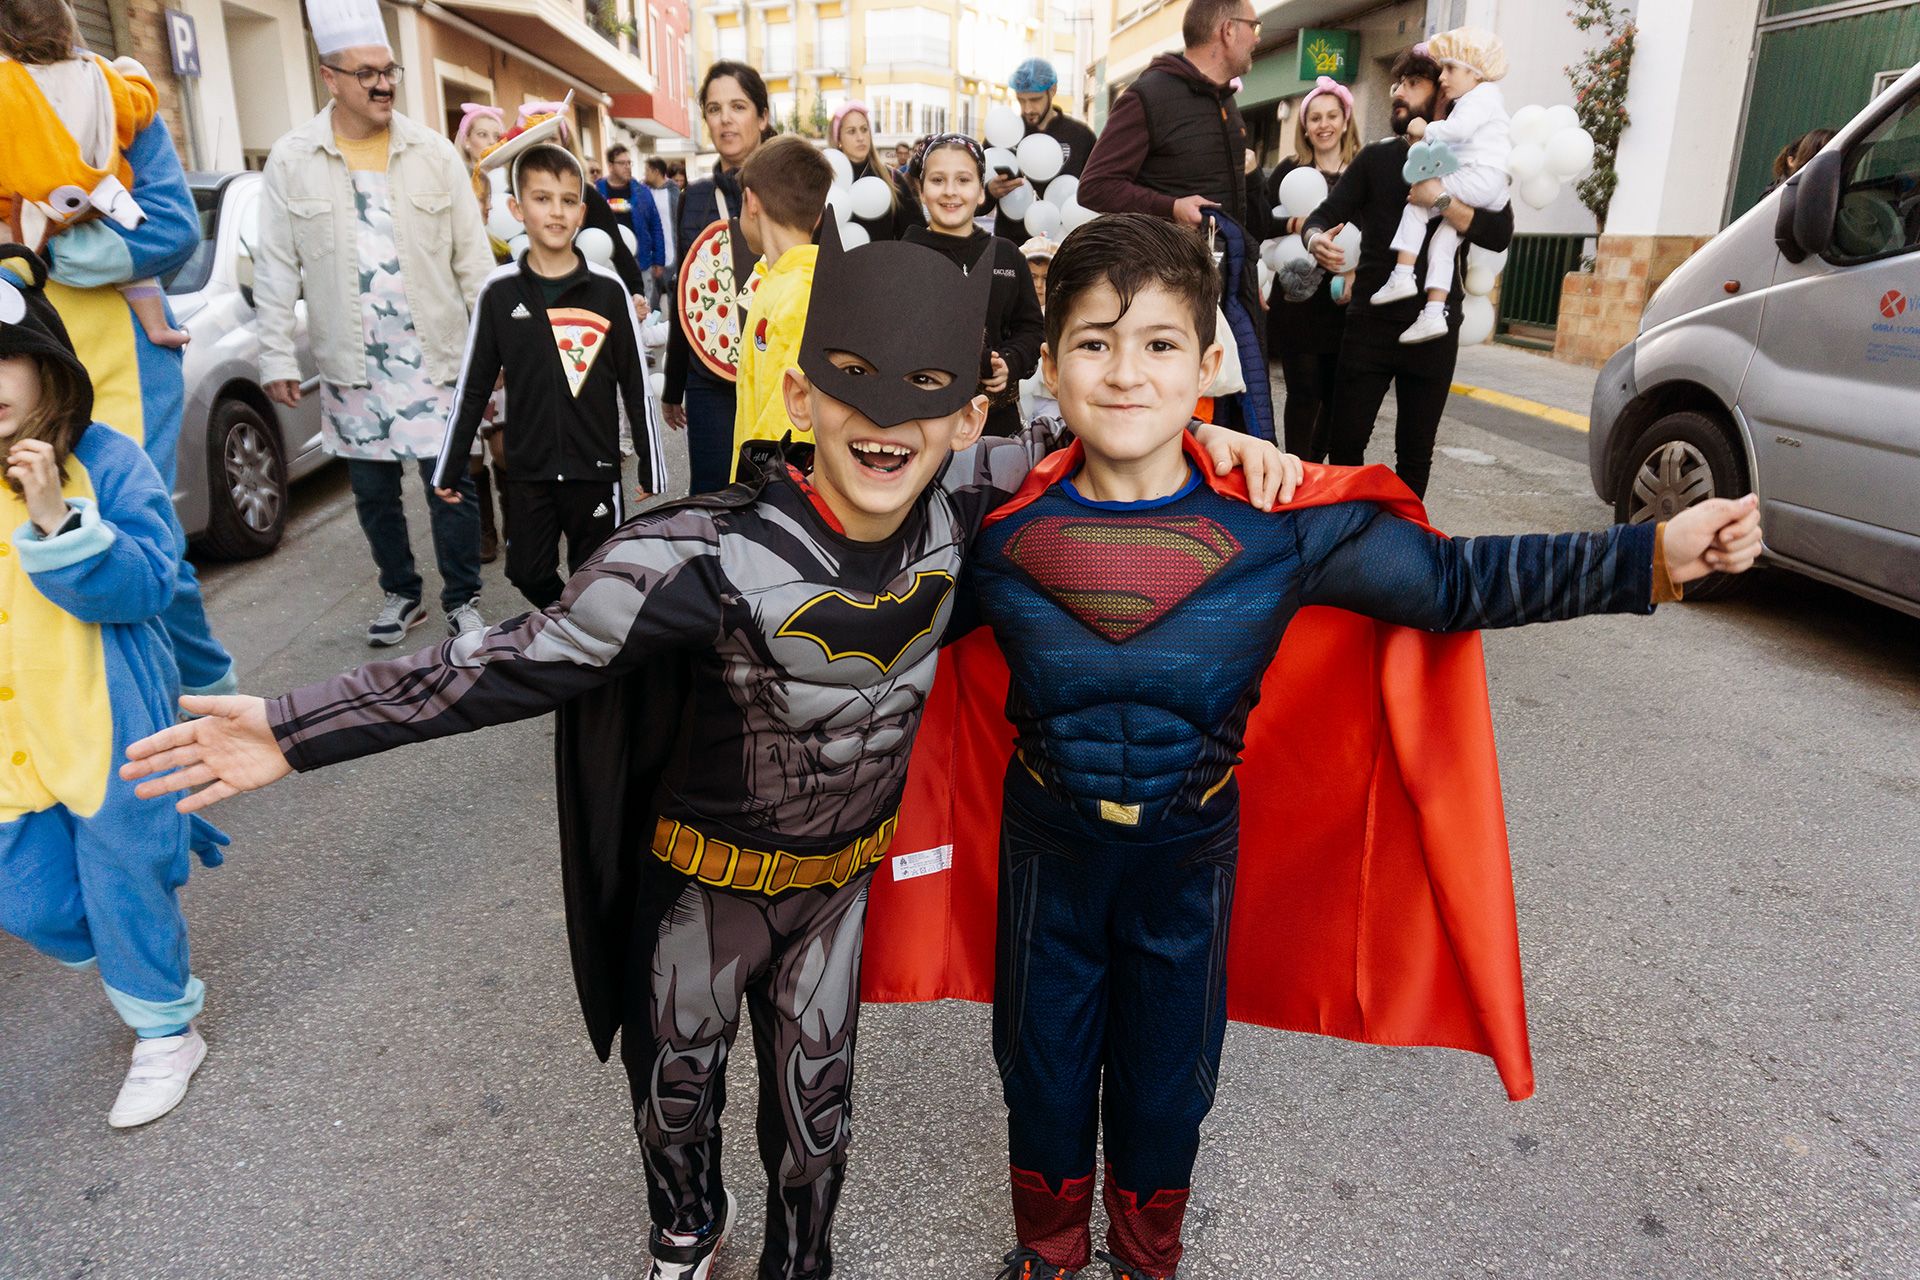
(29, 325)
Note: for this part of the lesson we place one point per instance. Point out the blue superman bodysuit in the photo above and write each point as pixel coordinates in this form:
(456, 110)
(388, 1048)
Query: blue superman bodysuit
(89, 873)
(1137, 636)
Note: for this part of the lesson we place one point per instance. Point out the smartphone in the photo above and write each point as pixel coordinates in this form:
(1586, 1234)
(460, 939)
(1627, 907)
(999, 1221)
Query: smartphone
(1003, 171)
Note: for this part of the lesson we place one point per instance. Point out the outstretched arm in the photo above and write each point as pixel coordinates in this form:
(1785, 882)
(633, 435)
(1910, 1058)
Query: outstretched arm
(653, 587)
(1387, 568)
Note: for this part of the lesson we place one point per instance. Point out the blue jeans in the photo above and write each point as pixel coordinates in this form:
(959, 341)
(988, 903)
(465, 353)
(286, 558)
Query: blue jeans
(456, 530)
(710, 405)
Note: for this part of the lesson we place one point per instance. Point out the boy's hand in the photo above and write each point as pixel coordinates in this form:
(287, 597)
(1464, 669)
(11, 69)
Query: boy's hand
(1270, 473)
(998, 382)
(31, 465)
(447, 495)
(1720, 535)
(676, 415)
(229, 749)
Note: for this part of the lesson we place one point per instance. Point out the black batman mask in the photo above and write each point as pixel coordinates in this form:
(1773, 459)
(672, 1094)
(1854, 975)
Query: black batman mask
(901, 308)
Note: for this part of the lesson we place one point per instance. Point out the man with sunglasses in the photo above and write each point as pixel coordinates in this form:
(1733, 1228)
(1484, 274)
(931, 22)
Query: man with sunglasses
(369, 216)
(1174, 144)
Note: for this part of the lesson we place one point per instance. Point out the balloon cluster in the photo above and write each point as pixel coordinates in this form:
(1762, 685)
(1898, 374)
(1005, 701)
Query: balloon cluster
(1549, 148)
(869, 197)
(1038, 158)
(1476, 309)
(1301, 192)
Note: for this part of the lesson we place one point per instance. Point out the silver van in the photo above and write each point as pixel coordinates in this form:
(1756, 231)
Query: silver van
(1784, 358)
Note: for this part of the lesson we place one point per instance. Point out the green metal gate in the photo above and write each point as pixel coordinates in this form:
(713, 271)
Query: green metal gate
(1530, 285)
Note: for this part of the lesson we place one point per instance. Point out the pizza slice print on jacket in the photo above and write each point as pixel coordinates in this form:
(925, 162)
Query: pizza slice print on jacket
(580, 335)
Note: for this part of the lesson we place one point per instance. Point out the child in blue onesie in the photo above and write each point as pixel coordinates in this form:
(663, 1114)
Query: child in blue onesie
(89, 874)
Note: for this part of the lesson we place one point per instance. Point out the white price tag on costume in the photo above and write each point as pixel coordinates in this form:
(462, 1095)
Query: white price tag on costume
(924, 862)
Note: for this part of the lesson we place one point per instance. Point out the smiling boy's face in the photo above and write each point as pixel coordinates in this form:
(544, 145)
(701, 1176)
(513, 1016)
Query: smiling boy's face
(551, 207)
(1127, 382)
(871, 476)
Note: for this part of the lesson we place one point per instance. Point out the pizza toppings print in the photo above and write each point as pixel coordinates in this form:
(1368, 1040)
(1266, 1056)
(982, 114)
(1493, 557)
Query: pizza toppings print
(580, 335)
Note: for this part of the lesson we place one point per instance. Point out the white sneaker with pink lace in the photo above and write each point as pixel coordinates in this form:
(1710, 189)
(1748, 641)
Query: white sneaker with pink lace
(158, 1078)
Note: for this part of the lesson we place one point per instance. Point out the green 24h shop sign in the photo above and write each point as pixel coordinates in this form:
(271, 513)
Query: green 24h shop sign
(1326, 53)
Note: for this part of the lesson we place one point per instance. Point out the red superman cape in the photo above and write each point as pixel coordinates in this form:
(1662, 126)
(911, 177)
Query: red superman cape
(1375, 896)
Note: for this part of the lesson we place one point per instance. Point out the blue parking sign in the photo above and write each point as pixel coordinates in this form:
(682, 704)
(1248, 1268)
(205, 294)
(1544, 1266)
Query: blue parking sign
(184, 43)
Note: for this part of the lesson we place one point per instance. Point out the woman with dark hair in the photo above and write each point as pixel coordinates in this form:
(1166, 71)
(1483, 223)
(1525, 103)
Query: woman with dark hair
(1304, 326)
(951, 171)
(696, 399)
(1797, 153)
(852, 133)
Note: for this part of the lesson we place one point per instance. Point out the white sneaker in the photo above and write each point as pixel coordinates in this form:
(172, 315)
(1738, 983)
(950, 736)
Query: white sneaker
(398, 615)
(681, 1258)
(464, 618)
(1431, 324)
(158, 1078)
(1399, 285)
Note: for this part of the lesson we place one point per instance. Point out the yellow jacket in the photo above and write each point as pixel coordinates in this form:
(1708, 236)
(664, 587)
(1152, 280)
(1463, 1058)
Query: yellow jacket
(771, 346)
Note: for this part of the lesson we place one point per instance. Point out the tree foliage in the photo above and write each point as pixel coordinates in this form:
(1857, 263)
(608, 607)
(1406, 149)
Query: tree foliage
(1600, 96)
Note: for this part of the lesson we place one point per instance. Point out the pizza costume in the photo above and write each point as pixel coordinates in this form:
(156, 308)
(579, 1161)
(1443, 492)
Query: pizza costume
(90, 874)
(571, 352)
(1374, 898)
(139, 388)
(739, 684)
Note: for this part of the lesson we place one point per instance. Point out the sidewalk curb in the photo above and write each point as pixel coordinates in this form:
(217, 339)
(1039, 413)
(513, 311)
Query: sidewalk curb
(1519, 404)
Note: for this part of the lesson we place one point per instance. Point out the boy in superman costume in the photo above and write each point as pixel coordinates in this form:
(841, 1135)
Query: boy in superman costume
(1140, 605)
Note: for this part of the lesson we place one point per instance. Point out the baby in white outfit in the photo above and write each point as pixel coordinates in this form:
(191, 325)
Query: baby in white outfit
(1475, 129)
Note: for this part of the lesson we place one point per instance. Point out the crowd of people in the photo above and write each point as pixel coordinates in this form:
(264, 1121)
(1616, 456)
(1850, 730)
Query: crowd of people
(872, 403)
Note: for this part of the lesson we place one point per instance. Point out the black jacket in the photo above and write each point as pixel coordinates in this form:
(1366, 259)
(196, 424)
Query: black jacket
(699, 208)
(1371, 195)
(1311, 327)
(1015, 327)
(562, 423)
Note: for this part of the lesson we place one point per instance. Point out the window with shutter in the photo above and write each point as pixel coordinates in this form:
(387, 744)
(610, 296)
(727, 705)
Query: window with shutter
(96, 26)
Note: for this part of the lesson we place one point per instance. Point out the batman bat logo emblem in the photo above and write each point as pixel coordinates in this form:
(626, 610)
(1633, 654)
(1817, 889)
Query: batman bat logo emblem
(880, 630)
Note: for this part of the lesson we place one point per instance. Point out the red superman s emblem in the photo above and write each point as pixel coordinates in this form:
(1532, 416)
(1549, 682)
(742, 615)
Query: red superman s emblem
(1120, 576)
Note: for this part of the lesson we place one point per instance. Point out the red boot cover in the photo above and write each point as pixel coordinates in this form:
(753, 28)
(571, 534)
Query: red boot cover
(1054, 1224)
(1146, 1236)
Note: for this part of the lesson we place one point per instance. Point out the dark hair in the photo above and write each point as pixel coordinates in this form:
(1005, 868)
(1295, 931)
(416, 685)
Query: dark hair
(656, 165)
(1412, 62)
(1796, 153)
(678, 169)
(791, 178)
(58, 418)
(948, 142)
(1131, 251)
(750, 83)
(615, 151)
(37, 32)
(546, 158)
(1203, 20)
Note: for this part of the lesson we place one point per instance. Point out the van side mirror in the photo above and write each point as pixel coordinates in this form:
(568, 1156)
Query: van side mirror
(1808, 208)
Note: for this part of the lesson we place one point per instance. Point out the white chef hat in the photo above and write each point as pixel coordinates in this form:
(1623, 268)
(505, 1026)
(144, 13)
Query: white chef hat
(346, 24)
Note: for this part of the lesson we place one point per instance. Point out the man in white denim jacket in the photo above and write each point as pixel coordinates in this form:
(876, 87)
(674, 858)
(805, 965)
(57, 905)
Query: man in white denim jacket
(370, 216)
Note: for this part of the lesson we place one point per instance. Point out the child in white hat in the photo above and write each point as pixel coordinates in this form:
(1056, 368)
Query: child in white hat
(1474, 134)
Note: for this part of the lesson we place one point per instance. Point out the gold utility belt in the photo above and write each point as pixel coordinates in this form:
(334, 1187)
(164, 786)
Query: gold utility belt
(729, 866)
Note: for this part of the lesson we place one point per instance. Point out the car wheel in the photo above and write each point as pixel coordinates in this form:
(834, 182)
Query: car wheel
(246, 483)
(1681, 459)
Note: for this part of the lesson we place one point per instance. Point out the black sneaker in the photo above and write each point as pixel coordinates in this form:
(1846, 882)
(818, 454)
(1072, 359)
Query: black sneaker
(398, 615)
(1024, 1264)
(1125, 1271)
(677, 1259)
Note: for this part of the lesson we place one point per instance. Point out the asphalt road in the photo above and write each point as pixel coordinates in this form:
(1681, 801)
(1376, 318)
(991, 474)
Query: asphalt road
(1715, 820)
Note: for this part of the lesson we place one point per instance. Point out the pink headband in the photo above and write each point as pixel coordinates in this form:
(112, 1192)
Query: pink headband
(1327, 84)
(840, 113)
(531, 110)
(471, 111)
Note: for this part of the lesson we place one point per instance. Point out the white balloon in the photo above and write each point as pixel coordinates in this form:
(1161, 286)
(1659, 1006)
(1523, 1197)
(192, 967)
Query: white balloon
(1479, 281)
(518, 245)
(1043, 220)
(1062, 191)
(1540, 190)
(501, 225)
(596, 244)
(853, 235)
(1004, 126)
(1476, 320)
(1000, 158)
(872, 196)
(657, 383)
(841, 166)
(1292, 249)
(1303, 191)
(629, 239)
(1076, 214)
(1561, 116)
(1270, 255)
(1280, 213)
(1526, 160)
(1569, 153)
(1040, 156)
(1348, 243)
(1017, 201)
(1265, 275)
(840, 200)
(1493, 262)
(1529, 124)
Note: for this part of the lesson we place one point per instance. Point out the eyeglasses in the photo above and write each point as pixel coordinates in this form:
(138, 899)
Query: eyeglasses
(1251, 22)
(368, 77)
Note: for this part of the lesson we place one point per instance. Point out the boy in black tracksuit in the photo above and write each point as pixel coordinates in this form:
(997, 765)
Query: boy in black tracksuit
(562, 329)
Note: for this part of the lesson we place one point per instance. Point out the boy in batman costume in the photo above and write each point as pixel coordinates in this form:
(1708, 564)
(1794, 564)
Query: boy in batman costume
(739, 678)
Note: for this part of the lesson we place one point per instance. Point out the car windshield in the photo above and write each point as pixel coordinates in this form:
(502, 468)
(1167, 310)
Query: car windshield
(191, 275)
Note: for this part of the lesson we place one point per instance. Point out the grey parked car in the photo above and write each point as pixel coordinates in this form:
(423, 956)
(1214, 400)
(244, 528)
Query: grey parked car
(1784, 357)
(238, 450)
